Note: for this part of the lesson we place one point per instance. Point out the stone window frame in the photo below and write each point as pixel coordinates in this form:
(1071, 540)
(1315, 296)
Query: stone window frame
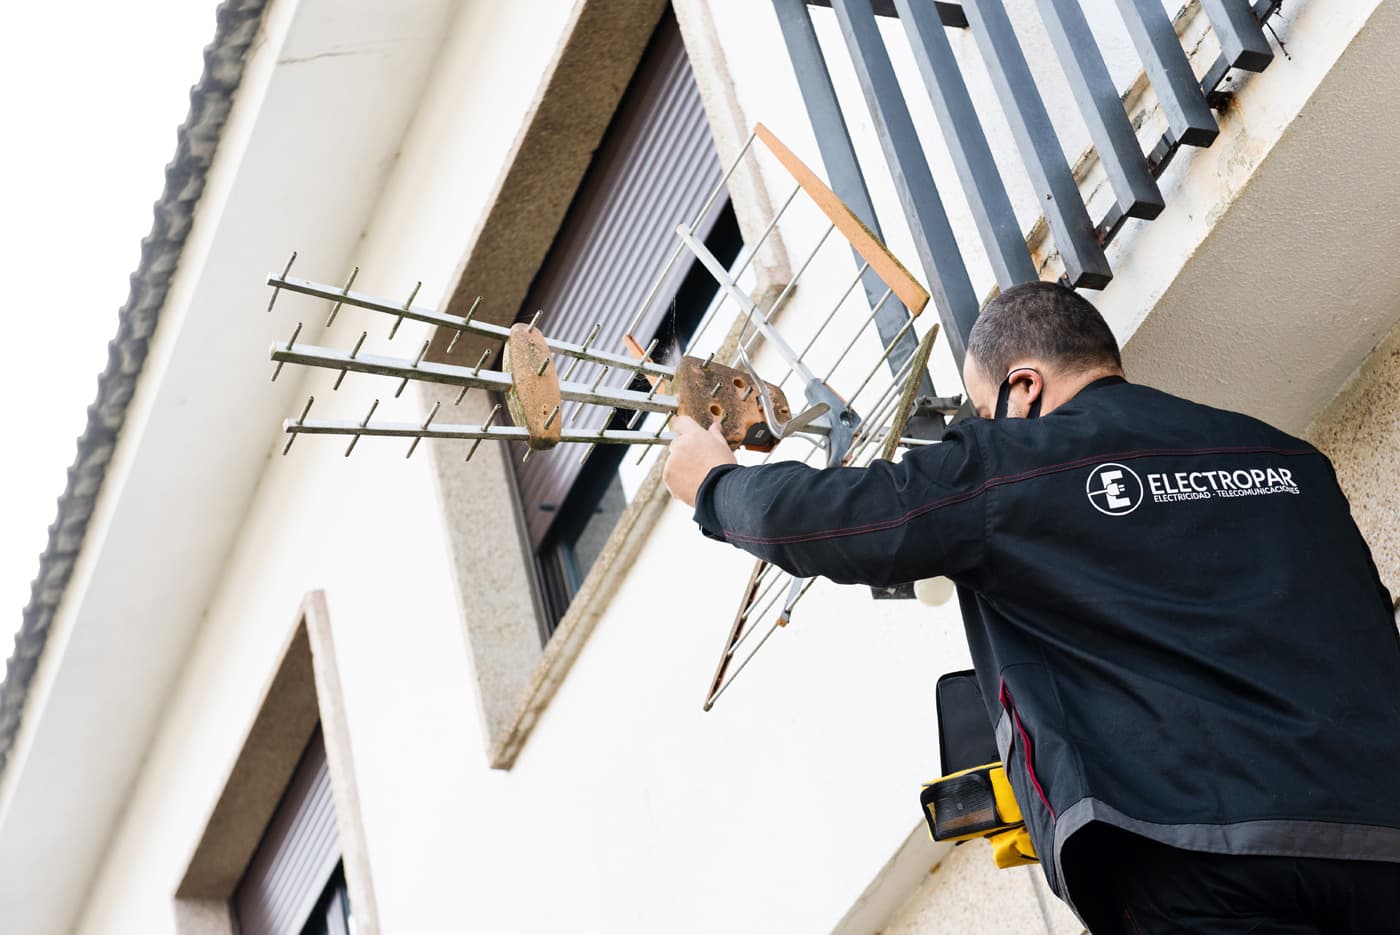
(304, 691)
(515, 676)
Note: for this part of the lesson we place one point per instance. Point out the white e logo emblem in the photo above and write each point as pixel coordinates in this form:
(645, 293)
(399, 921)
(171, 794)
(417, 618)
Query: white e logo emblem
(1114, 489)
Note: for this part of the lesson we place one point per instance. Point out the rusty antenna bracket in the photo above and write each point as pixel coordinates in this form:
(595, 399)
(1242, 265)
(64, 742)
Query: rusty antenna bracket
(776, 413)
(746, 405)
(706, 390)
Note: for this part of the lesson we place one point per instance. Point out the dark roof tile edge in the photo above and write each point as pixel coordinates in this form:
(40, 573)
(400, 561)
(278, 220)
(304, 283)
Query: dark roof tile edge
(197, 140)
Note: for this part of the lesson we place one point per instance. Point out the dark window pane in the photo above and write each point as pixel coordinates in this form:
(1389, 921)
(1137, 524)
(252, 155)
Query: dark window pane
(332, 913)
(585, 549)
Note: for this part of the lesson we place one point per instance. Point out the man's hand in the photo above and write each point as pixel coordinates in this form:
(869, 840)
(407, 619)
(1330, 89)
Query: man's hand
(694, 451)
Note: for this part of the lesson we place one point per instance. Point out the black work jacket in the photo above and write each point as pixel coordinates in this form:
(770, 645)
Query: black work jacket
(1175, 622)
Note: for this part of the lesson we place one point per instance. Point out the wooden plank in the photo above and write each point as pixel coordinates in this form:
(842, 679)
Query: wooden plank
(885, 265)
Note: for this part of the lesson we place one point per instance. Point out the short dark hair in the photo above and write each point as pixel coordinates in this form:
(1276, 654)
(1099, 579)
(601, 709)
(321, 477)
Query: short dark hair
(1044, 320)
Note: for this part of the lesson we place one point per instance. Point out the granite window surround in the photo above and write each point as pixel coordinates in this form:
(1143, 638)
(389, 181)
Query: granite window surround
(516, 677)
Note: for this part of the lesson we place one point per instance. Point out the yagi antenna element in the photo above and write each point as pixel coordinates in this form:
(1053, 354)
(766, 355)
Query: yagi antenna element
(843, 418)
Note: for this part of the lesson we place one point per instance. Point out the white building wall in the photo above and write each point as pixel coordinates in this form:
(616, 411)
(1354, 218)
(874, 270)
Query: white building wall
(629, 809)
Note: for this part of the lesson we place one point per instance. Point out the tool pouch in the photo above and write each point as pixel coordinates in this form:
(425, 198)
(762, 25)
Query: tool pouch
(974, 798)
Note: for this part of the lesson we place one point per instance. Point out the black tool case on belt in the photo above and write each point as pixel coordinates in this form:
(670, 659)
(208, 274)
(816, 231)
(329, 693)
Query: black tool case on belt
(965, 736)
(973, 798)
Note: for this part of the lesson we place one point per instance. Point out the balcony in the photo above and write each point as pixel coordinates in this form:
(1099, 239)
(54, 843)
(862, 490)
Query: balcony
(1070, 239)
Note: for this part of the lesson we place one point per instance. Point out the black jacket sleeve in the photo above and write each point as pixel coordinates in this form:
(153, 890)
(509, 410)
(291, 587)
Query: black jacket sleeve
(880, 525)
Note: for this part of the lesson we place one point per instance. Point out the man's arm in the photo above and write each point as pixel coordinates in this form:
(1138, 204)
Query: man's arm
(881, 525)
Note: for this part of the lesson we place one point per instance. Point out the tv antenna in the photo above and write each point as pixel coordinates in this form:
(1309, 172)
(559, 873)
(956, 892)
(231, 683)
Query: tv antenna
(833, 403)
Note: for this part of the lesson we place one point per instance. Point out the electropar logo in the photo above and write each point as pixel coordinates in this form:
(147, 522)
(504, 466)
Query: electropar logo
(1114, 489)
(1117, 490)
(1216, 484)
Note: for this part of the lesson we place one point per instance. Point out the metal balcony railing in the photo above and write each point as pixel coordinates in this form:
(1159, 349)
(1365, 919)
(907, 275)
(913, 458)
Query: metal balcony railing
(1186, 104)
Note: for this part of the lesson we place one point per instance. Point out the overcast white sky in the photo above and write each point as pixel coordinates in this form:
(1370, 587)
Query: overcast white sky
(91, 92)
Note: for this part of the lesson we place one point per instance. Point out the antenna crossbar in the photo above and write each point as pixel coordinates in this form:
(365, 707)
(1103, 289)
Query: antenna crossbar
(506, 433)
(484, 329)
(454, 375)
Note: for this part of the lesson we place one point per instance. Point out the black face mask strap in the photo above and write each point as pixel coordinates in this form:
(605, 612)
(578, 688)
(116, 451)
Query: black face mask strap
(1004, 398)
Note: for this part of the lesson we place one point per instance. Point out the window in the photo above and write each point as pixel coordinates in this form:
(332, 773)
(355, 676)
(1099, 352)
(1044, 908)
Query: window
(332, 913)
(654, 169)
(295, 881)
(591, 507)
(283, 850)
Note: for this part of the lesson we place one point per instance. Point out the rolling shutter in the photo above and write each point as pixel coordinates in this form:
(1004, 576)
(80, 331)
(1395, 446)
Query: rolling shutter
(654, 170)
(297, 856)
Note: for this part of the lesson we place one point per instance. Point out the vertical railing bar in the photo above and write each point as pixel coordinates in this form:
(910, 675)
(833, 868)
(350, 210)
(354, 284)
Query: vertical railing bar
(1161, 155)
(1242, 40)
(1109, 128)
(839, 157)
(1041, 154)
(996, 222)
(949, 283)
(951, 14)
(1169, 71)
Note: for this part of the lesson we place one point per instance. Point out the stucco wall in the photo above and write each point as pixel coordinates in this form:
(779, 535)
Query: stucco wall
(967, 893)
(1360, 431)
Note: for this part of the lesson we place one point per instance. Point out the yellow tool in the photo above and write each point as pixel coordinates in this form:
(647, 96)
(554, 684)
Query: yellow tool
(973, 801)
(979, 803)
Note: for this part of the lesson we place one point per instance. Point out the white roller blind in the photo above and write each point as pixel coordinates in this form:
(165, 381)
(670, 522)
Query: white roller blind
(654, 169)
(297, 855)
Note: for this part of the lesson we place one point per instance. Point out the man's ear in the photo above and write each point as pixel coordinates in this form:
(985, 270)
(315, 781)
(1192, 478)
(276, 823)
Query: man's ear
(1029, 380)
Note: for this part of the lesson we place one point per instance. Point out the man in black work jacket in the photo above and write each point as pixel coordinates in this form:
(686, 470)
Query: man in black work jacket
(1189, 658)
